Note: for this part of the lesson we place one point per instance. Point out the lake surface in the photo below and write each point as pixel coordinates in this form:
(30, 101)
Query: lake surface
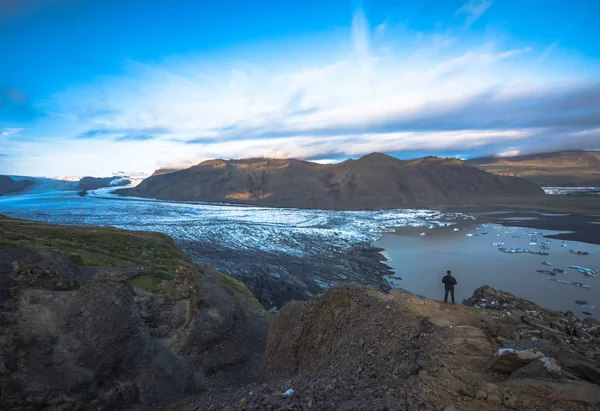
(284, 254)
(422, 260)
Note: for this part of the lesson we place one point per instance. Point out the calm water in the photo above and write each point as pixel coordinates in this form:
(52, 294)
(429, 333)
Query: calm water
(421, 261)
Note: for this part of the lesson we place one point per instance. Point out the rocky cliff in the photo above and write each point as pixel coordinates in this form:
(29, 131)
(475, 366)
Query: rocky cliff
(109, 333)
(563, 168)
(8, 185)
(373, 181)
(354, 348)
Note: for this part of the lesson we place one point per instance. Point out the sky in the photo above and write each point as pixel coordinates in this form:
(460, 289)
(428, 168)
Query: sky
(92, 87)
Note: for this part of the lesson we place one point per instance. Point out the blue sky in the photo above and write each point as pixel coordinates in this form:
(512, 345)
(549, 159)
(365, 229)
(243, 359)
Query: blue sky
(98, 86)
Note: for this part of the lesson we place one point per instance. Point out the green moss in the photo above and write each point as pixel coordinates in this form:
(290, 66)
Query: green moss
(238, 286)
(180, 403)
(101, 247)
(147, 283)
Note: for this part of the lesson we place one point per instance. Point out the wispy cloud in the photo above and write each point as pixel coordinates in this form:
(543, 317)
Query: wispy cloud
(10, 131)
(473, 10)
(130, 133)
(379, 93)
(135, 137)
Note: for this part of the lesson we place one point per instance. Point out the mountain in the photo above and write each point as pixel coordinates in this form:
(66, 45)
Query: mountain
(373, 181)
(8, 185)
(563, 168)
(93, 183)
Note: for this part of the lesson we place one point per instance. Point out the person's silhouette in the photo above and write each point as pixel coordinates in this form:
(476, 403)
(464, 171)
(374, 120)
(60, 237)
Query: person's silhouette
(449, 283)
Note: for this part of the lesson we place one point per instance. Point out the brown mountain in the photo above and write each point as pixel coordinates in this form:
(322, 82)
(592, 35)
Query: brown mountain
(373, 181)
(563, 168)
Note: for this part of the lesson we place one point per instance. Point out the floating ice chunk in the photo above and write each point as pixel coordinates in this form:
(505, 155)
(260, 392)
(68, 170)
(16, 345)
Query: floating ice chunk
(422, 234)
(469, 235)
(456, 229)
(503, 351)
(576, 283)
(588, 306)
(497, 243)
(511, 250)
(577, 252)
(546, 263)
(288, 392)
(585, 271)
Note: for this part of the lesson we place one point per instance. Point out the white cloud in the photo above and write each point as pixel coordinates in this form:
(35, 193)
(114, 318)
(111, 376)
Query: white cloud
(473, 10)
(297, 107)
(509, 153)
(10, 131)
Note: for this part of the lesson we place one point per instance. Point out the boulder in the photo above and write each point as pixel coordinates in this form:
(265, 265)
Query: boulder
(541, 368)
(580, 366)
(508, 360)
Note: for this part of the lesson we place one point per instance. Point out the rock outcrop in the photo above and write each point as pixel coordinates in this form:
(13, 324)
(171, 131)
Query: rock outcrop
(82, 339)
(373, 181)
(93, 183)
(8, 185)
(354, 348)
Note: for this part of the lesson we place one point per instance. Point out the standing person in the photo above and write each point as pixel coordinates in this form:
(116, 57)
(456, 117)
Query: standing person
(449, 283)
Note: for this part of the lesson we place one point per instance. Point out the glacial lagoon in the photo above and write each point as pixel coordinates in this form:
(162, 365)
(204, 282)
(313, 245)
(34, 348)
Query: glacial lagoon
(298, 253)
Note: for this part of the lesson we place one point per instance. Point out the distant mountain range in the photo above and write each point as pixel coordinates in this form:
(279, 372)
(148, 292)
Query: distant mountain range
(8, 185)
(563, 168)
(373, 181)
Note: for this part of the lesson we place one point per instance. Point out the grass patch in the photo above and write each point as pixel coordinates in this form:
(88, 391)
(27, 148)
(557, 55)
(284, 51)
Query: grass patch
(180, 403)
(238, 286)
(100, 246)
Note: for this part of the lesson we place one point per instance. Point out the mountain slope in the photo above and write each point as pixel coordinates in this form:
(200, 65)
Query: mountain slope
(563, 168)
(356, 349)
(8, 185)
(373, 181)
(97, 318)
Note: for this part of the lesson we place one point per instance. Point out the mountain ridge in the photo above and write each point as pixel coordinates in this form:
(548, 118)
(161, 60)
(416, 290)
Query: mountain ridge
(559, 168)
(375, 180)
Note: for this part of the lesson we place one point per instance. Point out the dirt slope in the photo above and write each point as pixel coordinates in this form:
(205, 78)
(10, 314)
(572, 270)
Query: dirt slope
(563, 168)
(357, 349)
(373, 181)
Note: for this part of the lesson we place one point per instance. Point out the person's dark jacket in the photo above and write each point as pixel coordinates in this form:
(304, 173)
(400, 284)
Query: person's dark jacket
(449, 282)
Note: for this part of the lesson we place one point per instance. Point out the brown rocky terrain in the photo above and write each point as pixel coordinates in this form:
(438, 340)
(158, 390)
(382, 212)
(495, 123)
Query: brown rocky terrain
(563, 168)
(354, 348)
(8, 185)
(373, 181)
(78, 337)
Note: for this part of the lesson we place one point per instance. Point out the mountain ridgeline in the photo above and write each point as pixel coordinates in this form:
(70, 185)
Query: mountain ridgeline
(373, 181)
(8, 185)
(562, 168)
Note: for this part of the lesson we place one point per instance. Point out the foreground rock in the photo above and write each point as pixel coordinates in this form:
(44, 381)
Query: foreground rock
(373, 181)
(81, 339)
(357, 349)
